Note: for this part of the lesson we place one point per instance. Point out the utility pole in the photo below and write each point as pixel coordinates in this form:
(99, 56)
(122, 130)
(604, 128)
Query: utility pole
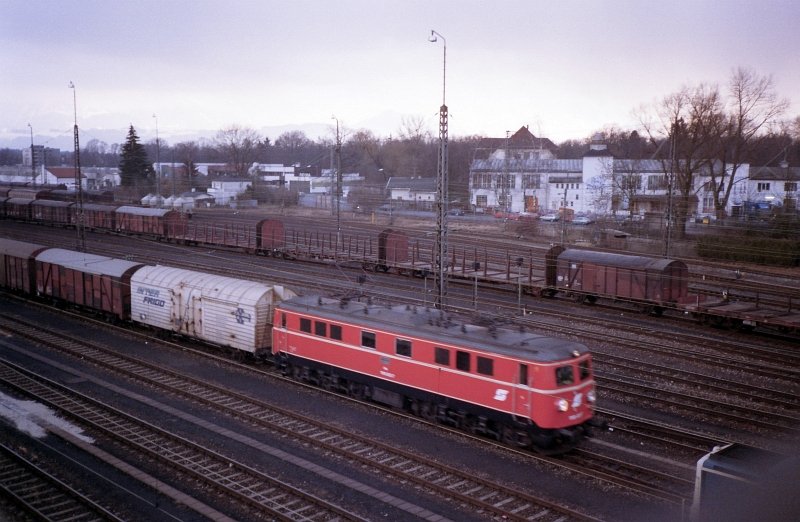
(81, 240)
(670, 183)
(441, 189)
(504, 180)
(33, 160)
(158, 164)
(338, 150)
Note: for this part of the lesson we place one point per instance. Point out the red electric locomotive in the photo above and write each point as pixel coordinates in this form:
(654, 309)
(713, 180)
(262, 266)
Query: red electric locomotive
(520, 387)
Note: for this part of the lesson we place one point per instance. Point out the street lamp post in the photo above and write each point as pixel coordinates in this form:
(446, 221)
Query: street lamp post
(81, 241)
(441, 187)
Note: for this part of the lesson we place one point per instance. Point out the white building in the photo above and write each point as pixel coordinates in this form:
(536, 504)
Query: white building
(523, 175)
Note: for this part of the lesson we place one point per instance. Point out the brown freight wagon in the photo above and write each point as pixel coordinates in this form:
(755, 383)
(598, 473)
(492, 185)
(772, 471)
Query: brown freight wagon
(18, 265)
(86, 280)
(654, 281)
(158, 222)
(17, 208)
(52, 212)
(269, 236)
(97, 216)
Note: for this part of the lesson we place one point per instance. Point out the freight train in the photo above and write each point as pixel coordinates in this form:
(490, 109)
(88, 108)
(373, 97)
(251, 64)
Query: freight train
(516, 386)
(652, 284)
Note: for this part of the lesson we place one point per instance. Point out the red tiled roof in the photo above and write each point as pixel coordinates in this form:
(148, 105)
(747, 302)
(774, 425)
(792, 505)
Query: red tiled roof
(62, 172)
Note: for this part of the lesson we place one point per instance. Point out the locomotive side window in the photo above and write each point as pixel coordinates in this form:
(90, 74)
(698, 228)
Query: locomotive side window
(402, 347)
(462, 361)
(320, 328)
(305, 325)
(336, 332)
(368, 339)
(442, 356)
(564, 375)
(585, 369)
(283, 319)
(485, 366)
(523, 374)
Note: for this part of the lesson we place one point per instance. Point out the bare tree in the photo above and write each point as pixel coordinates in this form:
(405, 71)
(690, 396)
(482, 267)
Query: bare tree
(240, 146)
(690, 120)
(753, 107)
(292, 141)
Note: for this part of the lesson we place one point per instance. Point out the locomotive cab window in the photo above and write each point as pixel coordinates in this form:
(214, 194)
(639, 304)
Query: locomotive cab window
(442, 356)
(564, 375)
(585, 369)
(462, 361)
(320, 328)
(336, 332)
(368, 339)
(485, 366)
(305, 324)
(402, 347)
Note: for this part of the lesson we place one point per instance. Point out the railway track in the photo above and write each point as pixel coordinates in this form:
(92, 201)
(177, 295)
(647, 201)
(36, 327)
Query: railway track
(43, 496)
(235, 480)
(457, 485)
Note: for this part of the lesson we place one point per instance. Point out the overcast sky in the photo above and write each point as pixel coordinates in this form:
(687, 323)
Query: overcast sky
(565, 68)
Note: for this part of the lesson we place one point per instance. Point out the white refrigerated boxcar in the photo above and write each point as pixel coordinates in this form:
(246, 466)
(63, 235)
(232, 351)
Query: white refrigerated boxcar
(217, 309)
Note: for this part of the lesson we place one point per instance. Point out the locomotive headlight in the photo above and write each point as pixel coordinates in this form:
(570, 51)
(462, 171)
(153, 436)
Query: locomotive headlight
(591, 396)
(562, 404)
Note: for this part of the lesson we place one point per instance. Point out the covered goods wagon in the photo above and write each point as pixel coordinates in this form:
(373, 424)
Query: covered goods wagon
(221, 310)
(87, 280)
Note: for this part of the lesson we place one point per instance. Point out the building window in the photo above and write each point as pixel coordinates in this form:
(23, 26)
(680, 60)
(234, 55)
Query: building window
(763, 187)
(485, 366)
(531, 181)
(305, 325)
(790, 186)
(403, 347)
(481, 201)
(442, 356)
(320, 328)
(657, 182)
(462, 361)
(368, 339)
(336, 332)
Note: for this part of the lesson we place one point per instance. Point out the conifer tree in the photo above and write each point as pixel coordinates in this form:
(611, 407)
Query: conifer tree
(135, 170)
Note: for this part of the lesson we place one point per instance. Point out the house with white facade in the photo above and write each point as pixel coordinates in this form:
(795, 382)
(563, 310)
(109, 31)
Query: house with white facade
(228, 189)
(412, 193)
(523, 175)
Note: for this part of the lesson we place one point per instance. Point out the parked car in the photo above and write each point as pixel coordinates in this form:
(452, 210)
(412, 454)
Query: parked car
(582, 220)
(550, 217)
